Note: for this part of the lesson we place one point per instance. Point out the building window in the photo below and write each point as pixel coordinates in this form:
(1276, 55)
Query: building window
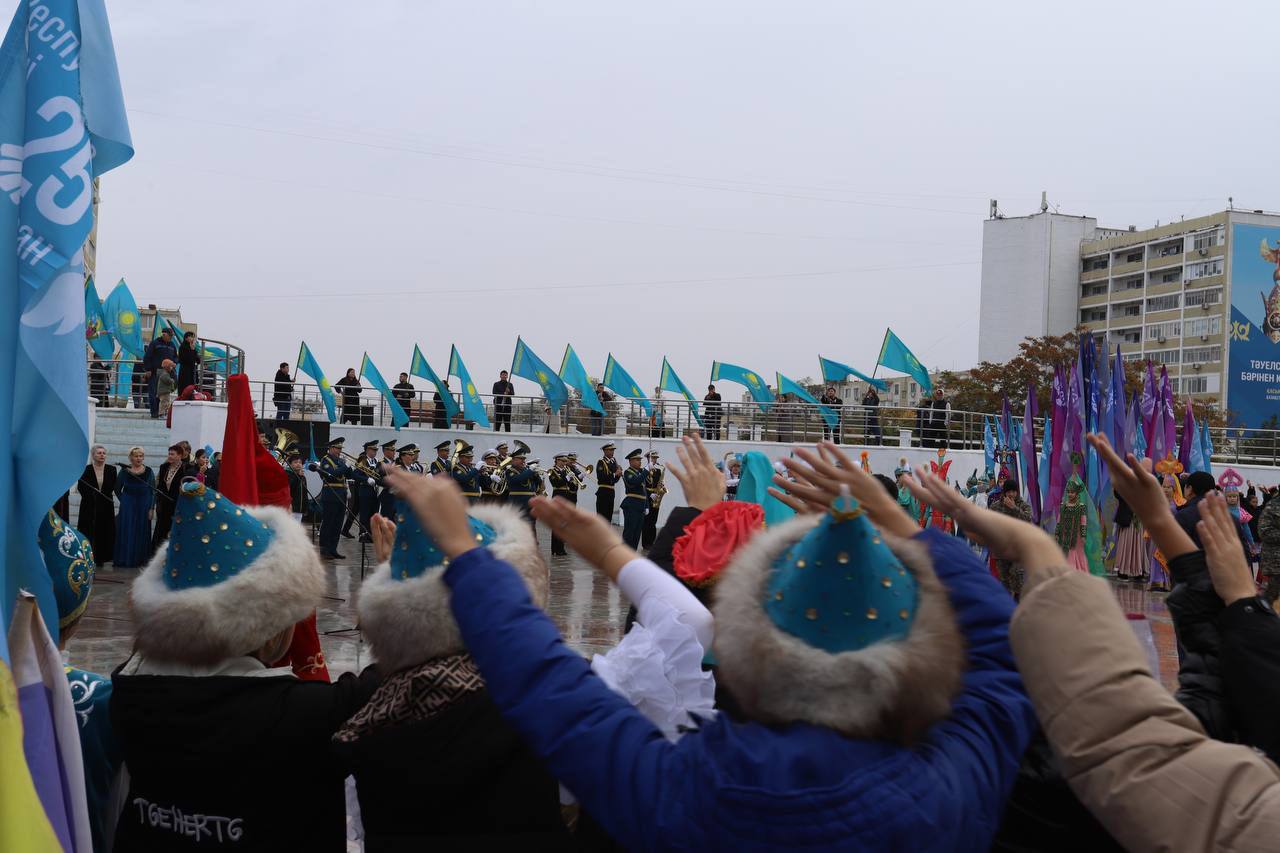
(1093, 290)
(1171, 249)
(1091, 264)
(1164, 356)
(1133, 257)
(1195, 384)
(1127, 336)
(1132, 356)
(1210, 296)
(1163, 303)
(1170, 276)
(1128, 309)
(1168, 329)
(1203, 326)
(1093, 315)
(1201, 355)
(1204, 268)
(1207, 240)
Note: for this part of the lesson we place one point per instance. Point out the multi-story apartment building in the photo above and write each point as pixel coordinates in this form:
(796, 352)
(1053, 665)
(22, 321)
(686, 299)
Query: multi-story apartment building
(1162, 294)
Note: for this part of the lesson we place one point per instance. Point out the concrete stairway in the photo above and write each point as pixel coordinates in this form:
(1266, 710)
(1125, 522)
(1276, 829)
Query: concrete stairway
(120, 429)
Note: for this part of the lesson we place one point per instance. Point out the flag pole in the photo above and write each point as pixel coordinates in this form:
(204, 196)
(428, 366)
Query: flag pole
(883, 341)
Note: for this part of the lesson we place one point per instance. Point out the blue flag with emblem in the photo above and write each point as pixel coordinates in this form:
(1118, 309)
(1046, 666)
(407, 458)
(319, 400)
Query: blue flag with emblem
(419, 367)
(123, 386)
(670, 382)
(755, 385)
(575, 376)
(369, 371)
(834, 371)
(526, 364)
(790, 386)
(62, 124)
(95, 324)
(307, 364)
(619, 380)
(988, 445)
(123, 321)
(472, 405)
(895, 356)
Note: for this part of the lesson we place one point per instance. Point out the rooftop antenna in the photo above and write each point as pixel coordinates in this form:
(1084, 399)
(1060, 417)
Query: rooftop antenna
(1044, 201)
(995, 210)
(1231, 203)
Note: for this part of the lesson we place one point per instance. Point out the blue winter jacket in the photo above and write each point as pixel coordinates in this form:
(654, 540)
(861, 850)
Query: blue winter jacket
(746, 786)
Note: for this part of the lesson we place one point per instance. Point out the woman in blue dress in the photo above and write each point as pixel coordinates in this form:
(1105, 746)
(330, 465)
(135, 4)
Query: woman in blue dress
(136, 489)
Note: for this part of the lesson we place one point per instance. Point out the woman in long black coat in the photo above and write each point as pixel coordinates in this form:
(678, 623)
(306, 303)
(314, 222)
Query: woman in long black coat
(188, 358)
(97, 486)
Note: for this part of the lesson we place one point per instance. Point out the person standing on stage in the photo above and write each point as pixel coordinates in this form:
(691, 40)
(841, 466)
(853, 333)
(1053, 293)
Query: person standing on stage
(502, 391)
(467, 475)
(282, 395)
(169, 483)
(608, 473)
(657, 488)
(135, 486)
(635, 500)
(439, 415)
(333, 497)
(386, 498)
(597, 418)
(188, 361)
(871, 416)
(349, 385)
(404, 392)
(157, 353)
(97, 488)
(564, 484)
(440, 465)
(367, 482)
(938, 419)
(523, 483)
(711, 414)
(831, 400)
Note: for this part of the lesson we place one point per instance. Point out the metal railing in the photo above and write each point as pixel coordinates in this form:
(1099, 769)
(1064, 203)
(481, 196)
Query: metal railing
(211, 377)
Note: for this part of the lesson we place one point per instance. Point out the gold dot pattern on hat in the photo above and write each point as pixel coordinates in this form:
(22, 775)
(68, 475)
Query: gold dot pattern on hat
(800, 564)
(872, 613)
(842, 558)
(886, 582)
(213, 567)
(222, 526)
(205, 539)
(904, 614)
(199, 516)
(811, 614)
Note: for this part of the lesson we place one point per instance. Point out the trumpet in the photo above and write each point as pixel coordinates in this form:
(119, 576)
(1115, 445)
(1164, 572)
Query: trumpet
(361, 465)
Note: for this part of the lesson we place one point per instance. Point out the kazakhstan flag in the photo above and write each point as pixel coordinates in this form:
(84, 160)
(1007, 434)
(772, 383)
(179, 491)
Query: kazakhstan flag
(525, 363)
(732, 373)
(369, 371)
(788, 386)
(671, 382)
(419, 367)
(95, 324)
(834, 371)
(575, 376)
(895, 356)
(472, 405)
(308, 365)
(619, 380)
(122, 318)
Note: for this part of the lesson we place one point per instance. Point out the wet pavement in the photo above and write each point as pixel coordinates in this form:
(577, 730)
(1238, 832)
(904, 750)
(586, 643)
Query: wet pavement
(589, 611)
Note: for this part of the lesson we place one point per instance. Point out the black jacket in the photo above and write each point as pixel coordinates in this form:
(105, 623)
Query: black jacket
(1189, 514)
(462, 779)
(1194, 607)
(1250, 659)
(241, 759)
(283, 391)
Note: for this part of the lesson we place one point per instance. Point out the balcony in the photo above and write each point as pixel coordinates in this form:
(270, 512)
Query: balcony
(1210, 252)
(1094, 275)
(1095, 300)
(1156, 262)
(1126, 269)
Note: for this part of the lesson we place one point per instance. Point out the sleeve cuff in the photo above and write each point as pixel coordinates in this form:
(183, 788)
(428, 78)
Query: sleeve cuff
(1245, 613)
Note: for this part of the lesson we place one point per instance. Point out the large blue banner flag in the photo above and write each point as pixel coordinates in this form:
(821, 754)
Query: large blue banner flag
(895, 356)
(617, 378)
(526, 364)
(575, 376)
(472, 405)
(62, 124)
(834, 371)
(670, 382)
(419, 367)
(369, 371)
(755, 385)
(307, 364)
(121, 314)
(95, 325)
(790, 386)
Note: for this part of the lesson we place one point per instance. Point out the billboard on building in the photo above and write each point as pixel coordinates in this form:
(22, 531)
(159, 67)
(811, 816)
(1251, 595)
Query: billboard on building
(1253, 368)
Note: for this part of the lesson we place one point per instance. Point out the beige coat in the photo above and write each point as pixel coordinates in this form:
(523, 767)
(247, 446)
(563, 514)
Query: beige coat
(1135, 757)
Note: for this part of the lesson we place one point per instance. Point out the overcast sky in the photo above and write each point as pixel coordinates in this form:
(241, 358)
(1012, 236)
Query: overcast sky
(744, 181)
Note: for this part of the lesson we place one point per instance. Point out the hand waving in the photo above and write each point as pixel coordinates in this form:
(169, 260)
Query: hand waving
(819, 475)
(1232, 579)
(702, 483)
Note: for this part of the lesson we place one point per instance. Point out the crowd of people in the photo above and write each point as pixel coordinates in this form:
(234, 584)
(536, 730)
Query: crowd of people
(816, 658)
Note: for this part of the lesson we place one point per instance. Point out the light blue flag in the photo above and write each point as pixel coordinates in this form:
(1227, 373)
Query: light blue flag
(1206, 447)
(670, 382)
(834, 371)
(214, 358)
(472, 405)
(95, 325)
(123, 320)
(526, 364)
(1196, 449)
(1043, 469)
(575, 376)
(370, 372)
(753, 487)
(788, 386)
(123, 387)
(988, 445)
(895, 356)
(419, 367)
(307, 364)
(62, 124)
(617, 378)
(755, 385)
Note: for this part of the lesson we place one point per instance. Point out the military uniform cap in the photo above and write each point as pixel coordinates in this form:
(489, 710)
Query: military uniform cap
(635, 454)
(337, 442)
(444, 445)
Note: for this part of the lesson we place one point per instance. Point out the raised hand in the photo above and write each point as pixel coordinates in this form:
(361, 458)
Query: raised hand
(383, 531)
(589, 535)
(1232, 579)
(1141, 491)
(819, 475)
(440, 507)
(696, 471)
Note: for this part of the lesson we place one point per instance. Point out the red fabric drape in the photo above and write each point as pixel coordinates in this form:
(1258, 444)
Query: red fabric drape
(711, 539)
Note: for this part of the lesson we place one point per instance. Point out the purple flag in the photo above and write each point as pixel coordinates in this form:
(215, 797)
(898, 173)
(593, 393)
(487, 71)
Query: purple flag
(1032, 485)
(1149, 405)
(1190, 438)
(1056, 477)
(1168, 419)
